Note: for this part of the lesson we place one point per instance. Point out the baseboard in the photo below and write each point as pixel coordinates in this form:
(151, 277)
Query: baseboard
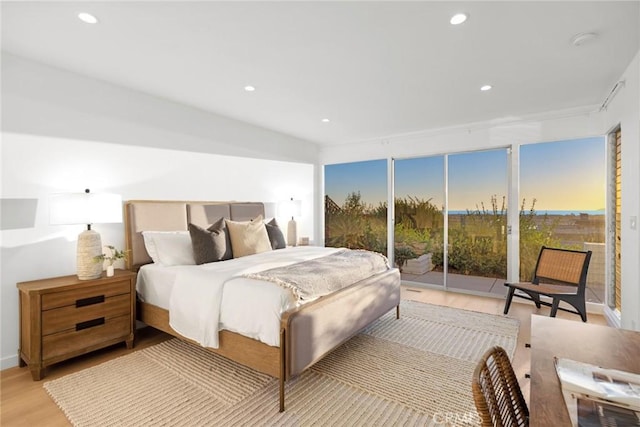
(9, 362)
(595, 308)
(612, 316)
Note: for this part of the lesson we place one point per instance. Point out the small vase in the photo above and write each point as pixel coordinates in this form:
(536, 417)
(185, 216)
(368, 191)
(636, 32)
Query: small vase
(110, 271)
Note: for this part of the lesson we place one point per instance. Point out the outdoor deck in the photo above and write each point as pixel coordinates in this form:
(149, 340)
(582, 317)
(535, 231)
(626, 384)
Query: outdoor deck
(484, 285)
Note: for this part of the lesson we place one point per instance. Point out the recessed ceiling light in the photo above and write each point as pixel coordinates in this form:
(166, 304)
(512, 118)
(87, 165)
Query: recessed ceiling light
(458, 18)
(87, 18)
(486, 88)
(325, 120)
(249, 88)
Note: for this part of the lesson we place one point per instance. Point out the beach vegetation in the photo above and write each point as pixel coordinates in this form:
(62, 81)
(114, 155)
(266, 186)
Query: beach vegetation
(477, 237)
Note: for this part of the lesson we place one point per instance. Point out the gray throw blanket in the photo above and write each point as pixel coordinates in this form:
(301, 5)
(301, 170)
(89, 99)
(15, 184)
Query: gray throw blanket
(321, 276)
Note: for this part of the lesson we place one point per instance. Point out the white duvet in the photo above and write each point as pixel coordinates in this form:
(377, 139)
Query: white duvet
(204, 299)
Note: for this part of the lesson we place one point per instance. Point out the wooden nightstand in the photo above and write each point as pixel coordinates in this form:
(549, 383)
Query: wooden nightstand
(64, 317)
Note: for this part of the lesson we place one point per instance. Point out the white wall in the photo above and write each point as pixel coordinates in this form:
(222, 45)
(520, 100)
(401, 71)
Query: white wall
(624, 111)
(65, 132)
(552, 126)
(35, 167)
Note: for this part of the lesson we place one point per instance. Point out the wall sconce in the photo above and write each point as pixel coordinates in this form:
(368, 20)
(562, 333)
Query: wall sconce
(86, 208)
(291, 208)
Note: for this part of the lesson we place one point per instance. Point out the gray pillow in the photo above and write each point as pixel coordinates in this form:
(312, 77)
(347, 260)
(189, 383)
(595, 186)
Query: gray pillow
(208, 246)
(275, 235)
(221, 227)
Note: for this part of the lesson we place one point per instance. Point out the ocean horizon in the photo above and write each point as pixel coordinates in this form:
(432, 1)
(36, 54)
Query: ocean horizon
(545, 212)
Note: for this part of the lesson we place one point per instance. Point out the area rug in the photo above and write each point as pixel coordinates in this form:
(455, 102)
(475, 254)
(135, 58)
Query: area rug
(412, 371)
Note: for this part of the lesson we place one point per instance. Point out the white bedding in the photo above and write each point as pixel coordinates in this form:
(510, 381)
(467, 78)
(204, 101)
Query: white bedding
(203, 299)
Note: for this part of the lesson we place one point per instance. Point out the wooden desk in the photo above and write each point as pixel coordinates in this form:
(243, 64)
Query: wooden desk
(595, 344)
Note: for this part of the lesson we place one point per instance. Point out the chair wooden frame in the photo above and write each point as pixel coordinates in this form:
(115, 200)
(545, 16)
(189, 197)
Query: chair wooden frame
(560, 274)
(496, 392)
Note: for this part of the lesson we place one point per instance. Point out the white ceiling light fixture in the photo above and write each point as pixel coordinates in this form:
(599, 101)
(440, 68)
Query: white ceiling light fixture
(87, 18)
(458, 18)
(325, 120)
(582, 38)
(249, 88)
(486, 88)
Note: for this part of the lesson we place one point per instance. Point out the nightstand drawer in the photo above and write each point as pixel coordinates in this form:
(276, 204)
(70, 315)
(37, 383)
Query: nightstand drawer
(66, 318)
(90, 334)
(85, 295)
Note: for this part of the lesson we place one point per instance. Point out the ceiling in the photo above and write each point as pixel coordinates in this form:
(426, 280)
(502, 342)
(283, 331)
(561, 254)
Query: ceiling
(374, 69)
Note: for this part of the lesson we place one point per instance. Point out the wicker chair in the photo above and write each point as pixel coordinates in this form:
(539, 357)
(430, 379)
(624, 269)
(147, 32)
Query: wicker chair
(560, 274)
(496, 392)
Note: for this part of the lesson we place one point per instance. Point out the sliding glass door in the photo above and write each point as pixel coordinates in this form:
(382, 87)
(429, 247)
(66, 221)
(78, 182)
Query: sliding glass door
(473, 187)
(450, 212)
(419, 219)
(477, 221)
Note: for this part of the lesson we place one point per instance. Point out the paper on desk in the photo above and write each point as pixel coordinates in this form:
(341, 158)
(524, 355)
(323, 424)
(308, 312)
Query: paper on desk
(609, 392)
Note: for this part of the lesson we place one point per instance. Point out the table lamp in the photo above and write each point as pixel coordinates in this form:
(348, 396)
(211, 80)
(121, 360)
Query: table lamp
(292, 208)
(86, 208)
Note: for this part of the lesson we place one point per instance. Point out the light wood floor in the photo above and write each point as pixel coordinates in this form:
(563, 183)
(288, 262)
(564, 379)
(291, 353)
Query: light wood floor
(24, 402)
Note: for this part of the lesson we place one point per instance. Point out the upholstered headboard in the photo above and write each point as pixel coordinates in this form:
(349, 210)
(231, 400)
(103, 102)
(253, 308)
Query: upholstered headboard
(159, 215)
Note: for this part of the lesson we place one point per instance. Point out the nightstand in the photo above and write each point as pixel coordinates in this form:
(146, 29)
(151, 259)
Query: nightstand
(64, 317)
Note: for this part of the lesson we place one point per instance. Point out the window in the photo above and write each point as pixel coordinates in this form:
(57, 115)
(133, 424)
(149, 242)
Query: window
(562, 189)
(356, 205)
(451, 212)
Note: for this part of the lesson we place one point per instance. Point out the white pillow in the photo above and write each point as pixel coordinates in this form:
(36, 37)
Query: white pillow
(248, 237)
(169, 247)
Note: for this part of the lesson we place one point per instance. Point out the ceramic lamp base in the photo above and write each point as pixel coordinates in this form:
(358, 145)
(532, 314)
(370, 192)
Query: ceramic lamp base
(292, 233)
(89, 246)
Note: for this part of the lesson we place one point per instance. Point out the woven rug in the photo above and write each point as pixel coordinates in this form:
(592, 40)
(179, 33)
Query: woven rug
(412, 371)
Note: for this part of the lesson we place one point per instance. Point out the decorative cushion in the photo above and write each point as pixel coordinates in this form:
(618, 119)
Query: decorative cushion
(169, 247)
(220, 226)
(275, 235)
(208, 246)
(248, 237)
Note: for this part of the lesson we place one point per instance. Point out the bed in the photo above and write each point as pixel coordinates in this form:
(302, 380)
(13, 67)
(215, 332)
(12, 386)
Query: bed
(305, 332)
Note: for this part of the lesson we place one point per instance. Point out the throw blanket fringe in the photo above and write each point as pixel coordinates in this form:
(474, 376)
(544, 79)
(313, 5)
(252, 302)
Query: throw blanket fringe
(321, 276)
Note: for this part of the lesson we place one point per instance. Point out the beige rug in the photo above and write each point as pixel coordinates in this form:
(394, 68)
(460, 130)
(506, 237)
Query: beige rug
(412, 371)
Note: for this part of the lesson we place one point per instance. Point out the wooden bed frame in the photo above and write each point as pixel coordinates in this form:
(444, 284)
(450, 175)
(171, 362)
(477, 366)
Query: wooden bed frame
(307, 333)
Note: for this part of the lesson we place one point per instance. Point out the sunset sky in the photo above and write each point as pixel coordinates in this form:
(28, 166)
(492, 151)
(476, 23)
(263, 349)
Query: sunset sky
(566, 175)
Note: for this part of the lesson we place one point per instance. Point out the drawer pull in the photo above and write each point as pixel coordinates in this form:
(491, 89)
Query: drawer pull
(89, 301)
(89, 324)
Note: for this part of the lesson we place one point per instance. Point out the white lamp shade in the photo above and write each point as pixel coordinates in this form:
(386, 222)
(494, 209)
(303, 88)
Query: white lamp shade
(85, 208)
(290, 208)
